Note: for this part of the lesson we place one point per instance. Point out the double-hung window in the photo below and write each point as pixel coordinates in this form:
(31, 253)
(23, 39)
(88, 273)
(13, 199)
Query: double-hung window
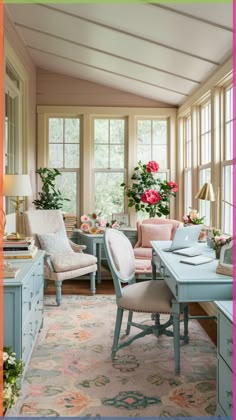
(64, 154)
(205, 157)
(109, 165)
(227, 175)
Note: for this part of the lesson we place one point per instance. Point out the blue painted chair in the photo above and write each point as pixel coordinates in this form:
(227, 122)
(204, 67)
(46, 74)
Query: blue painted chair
(151, 296)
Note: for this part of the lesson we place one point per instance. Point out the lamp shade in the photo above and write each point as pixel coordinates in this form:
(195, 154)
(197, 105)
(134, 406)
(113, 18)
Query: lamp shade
(17, 186)
(206, 192)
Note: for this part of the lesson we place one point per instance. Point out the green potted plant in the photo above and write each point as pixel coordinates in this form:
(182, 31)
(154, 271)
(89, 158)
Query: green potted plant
(50, 198)
(12, 371)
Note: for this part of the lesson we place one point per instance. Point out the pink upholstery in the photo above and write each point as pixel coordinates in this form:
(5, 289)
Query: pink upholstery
(145, 252)
(64, 259)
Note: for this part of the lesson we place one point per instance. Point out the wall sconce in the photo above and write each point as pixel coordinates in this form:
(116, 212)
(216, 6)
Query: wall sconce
(17, 186)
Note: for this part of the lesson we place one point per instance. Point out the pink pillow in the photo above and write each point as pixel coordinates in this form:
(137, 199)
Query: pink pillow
(155, 233)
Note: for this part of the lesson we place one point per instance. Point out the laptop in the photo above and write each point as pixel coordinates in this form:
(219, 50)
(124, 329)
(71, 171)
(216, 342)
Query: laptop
(185, 237)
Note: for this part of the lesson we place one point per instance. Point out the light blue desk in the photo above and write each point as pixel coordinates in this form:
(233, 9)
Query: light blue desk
(189, 283)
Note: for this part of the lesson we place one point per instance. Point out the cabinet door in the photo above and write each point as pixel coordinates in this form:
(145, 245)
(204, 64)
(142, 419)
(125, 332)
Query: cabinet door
(12, 319)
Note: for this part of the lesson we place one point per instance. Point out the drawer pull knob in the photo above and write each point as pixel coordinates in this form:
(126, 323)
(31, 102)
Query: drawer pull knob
(229, 341)
(229, 353)
(229, 394)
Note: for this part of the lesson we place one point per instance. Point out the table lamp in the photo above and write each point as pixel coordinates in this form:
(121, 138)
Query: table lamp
(206, 193)
(17, 186)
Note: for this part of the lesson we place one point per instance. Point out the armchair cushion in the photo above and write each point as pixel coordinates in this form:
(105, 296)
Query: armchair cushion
(155, 233)
(71, 261)
(53, 243)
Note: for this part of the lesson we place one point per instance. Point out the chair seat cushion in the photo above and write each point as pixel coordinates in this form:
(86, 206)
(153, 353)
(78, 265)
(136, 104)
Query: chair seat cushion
(151, 296)
(68, 261)
(143, 266)
(143, 253)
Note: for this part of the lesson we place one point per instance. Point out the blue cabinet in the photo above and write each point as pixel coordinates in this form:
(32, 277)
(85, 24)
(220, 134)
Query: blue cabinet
(23, 306)
(224, 358)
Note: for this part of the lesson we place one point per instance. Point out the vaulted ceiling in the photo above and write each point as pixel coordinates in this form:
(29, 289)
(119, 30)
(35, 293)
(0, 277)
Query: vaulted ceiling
(159, 51)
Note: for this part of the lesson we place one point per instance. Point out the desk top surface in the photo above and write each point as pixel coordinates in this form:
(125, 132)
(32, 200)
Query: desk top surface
(186, 273)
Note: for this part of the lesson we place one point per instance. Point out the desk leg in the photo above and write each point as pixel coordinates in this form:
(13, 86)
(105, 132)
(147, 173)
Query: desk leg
(98, 254)
(176, 329)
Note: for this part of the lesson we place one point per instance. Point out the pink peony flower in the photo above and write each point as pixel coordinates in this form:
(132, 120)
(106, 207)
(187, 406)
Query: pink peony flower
(84, 218)
(150, 197)
(102, 222)
(85, 227)
(152, 166)
(174, 187)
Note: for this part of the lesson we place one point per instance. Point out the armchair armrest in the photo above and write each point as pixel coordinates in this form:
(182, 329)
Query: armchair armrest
(77, 248)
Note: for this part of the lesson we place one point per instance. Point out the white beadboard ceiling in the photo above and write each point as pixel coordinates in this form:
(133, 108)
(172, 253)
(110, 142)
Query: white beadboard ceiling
(159, 51)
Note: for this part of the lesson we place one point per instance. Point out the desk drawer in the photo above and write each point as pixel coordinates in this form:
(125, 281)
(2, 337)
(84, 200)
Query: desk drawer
(225, 387)
(225, 338)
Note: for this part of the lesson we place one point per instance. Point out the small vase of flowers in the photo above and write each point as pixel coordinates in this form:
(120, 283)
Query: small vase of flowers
(12, 370)
(94, 223)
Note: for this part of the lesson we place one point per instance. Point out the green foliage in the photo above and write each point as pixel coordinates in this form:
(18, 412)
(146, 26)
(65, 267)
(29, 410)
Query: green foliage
(148, 193)
(12, 370)
(50, 198)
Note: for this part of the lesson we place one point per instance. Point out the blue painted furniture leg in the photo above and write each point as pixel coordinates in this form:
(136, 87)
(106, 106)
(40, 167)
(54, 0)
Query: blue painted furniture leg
(58, 291)
(119, 317)
(92, 283)
(176, 330)
(130, 317)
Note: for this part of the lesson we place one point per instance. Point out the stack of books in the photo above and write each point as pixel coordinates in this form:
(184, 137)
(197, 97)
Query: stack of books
(70, 221)
(19, 248)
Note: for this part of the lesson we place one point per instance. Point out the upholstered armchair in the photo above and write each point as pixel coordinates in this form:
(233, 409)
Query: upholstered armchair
(153, 229)
(64, 260)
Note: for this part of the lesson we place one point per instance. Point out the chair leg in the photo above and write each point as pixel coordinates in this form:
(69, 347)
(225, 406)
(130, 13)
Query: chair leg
(119, 317)
(92, 283)
(58, 291)
(186, 336)
(130, 317)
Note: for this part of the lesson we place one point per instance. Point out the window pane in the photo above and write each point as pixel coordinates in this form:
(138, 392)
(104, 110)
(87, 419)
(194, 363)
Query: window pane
(72, 130)
(67, 183)
(160, 155)
(117, 131)
(228, 141)
(109, 196)
(117, 156)
(227, 184)
(101, 156)
(55, 156)
(204, 206)
(144, 153)
(187, 191)
(205, 148)
(159, 132)
(71, 156)
(144, 132)
(55, 130)
(101, 131)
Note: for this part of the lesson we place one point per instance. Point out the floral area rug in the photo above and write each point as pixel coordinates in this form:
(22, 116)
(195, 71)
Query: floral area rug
(71, 373)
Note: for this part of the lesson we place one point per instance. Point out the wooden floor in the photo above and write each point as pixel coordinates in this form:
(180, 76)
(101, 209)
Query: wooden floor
(81, 287)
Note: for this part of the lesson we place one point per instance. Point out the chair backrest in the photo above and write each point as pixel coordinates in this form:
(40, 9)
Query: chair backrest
(156, 221)
(43, 221)
(120, 257)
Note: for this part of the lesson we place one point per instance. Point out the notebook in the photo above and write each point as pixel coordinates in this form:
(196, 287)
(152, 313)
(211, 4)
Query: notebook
(188, 252)
(185, 237)
(197, 260)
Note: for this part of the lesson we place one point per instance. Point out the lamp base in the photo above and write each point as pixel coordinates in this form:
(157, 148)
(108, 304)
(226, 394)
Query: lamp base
(15, 236)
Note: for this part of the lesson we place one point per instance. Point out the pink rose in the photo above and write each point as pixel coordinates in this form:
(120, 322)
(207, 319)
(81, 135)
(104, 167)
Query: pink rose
(173, 186)
(152, 166)
(85, 227)
(102, 223)
(150, 197)
(84, 218)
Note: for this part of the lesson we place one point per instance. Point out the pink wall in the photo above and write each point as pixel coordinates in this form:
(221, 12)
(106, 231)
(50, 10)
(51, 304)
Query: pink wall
(27, 71)
(57, 89)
